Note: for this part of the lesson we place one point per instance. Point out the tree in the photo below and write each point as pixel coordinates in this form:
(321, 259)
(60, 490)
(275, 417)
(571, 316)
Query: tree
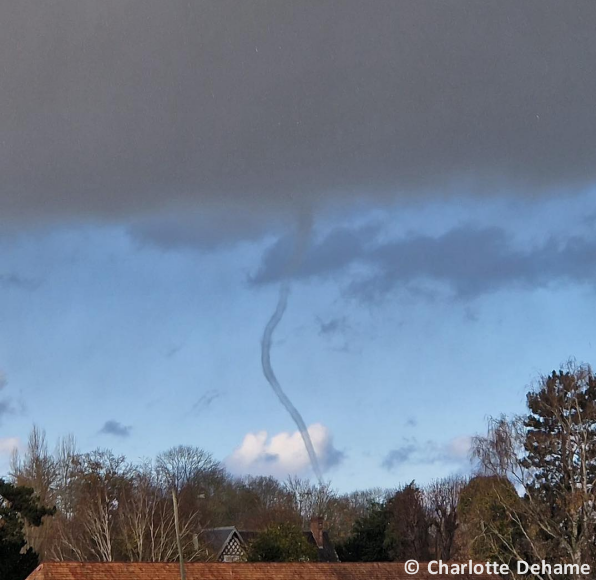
(38, 470)
(560, 452)
(146, 519)
(18, 506)
(368, 541)
(310, 500)
(408, 525)
(190, 467)
(103, 480)
(282, 543)
(550, 454)
(252, 503)
(345, 509)
(487, 532)
(442, 498)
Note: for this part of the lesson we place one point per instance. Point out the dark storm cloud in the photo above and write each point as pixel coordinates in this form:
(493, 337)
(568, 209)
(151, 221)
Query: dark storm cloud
(192, 230)
(336, 251)
(468, 261)
(113, 110)
(475, 262)
(115, 428)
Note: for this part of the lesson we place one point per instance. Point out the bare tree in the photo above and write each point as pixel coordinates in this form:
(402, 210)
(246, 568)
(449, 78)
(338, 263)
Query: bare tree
(185, 466)
(68, 460)
(408, 530)
(37, 469)
(187, 471)
(441, 498)
(102, 480)
(136, 511)
(147, 521)
(310, 499)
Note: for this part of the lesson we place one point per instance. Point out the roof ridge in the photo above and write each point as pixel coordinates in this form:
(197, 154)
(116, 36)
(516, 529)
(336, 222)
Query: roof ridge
(219, 528)
(238, 571)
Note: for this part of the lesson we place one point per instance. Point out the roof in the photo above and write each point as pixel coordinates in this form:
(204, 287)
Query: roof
(217, 539)
(219, 571)
(327, 551)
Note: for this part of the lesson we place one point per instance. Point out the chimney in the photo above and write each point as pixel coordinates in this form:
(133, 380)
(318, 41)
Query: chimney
(316, 527)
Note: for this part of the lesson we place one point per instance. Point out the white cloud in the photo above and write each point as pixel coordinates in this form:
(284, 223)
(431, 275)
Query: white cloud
(459, 448)
(7, 446)
(283, 454)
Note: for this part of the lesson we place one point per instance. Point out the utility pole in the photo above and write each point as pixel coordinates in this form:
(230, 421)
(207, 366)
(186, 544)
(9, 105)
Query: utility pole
(177, 528)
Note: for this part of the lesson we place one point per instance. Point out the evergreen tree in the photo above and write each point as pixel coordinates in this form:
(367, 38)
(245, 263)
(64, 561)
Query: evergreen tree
(282, 543)
(488, 532)
(560, 453)
(18, 505)
(369, 541)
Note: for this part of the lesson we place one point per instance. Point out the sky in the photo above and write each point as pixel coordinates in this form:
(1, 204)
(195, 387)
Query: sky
(422, 175)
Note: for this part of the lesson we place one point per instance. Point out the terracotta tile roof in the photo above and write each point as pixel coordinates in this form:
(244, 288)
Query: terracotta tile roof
(219, 571)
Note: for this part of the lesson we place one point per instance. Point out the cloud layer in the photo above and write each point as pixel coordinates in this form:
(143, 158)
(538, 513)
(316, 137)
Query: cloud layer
(283, 454)
(413, 451)
(120, 109)
(466, 261)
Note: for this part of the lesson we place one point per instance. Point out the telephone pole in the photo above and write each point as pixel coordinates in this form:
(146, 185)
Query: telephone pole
(177, 528)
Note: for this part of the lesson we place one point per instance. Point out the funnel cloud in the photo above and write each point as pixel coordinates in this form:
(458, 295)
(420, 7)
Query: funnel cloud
(275, 319)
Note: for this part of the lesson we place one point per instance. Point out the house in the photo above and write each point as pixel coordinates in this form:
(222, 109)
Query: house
(225, 544)
(238, 571)
(228, 544)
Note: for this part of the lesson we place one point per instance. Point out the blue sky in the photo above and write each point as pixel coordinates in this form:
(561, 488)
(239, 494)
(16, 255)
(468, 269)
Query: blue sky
(421, 174)
(101, 325)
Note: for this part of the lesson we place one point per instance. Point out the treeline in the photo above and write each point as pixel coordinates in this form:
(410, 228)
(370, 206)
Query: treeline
(532, 497)
(110, 509)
